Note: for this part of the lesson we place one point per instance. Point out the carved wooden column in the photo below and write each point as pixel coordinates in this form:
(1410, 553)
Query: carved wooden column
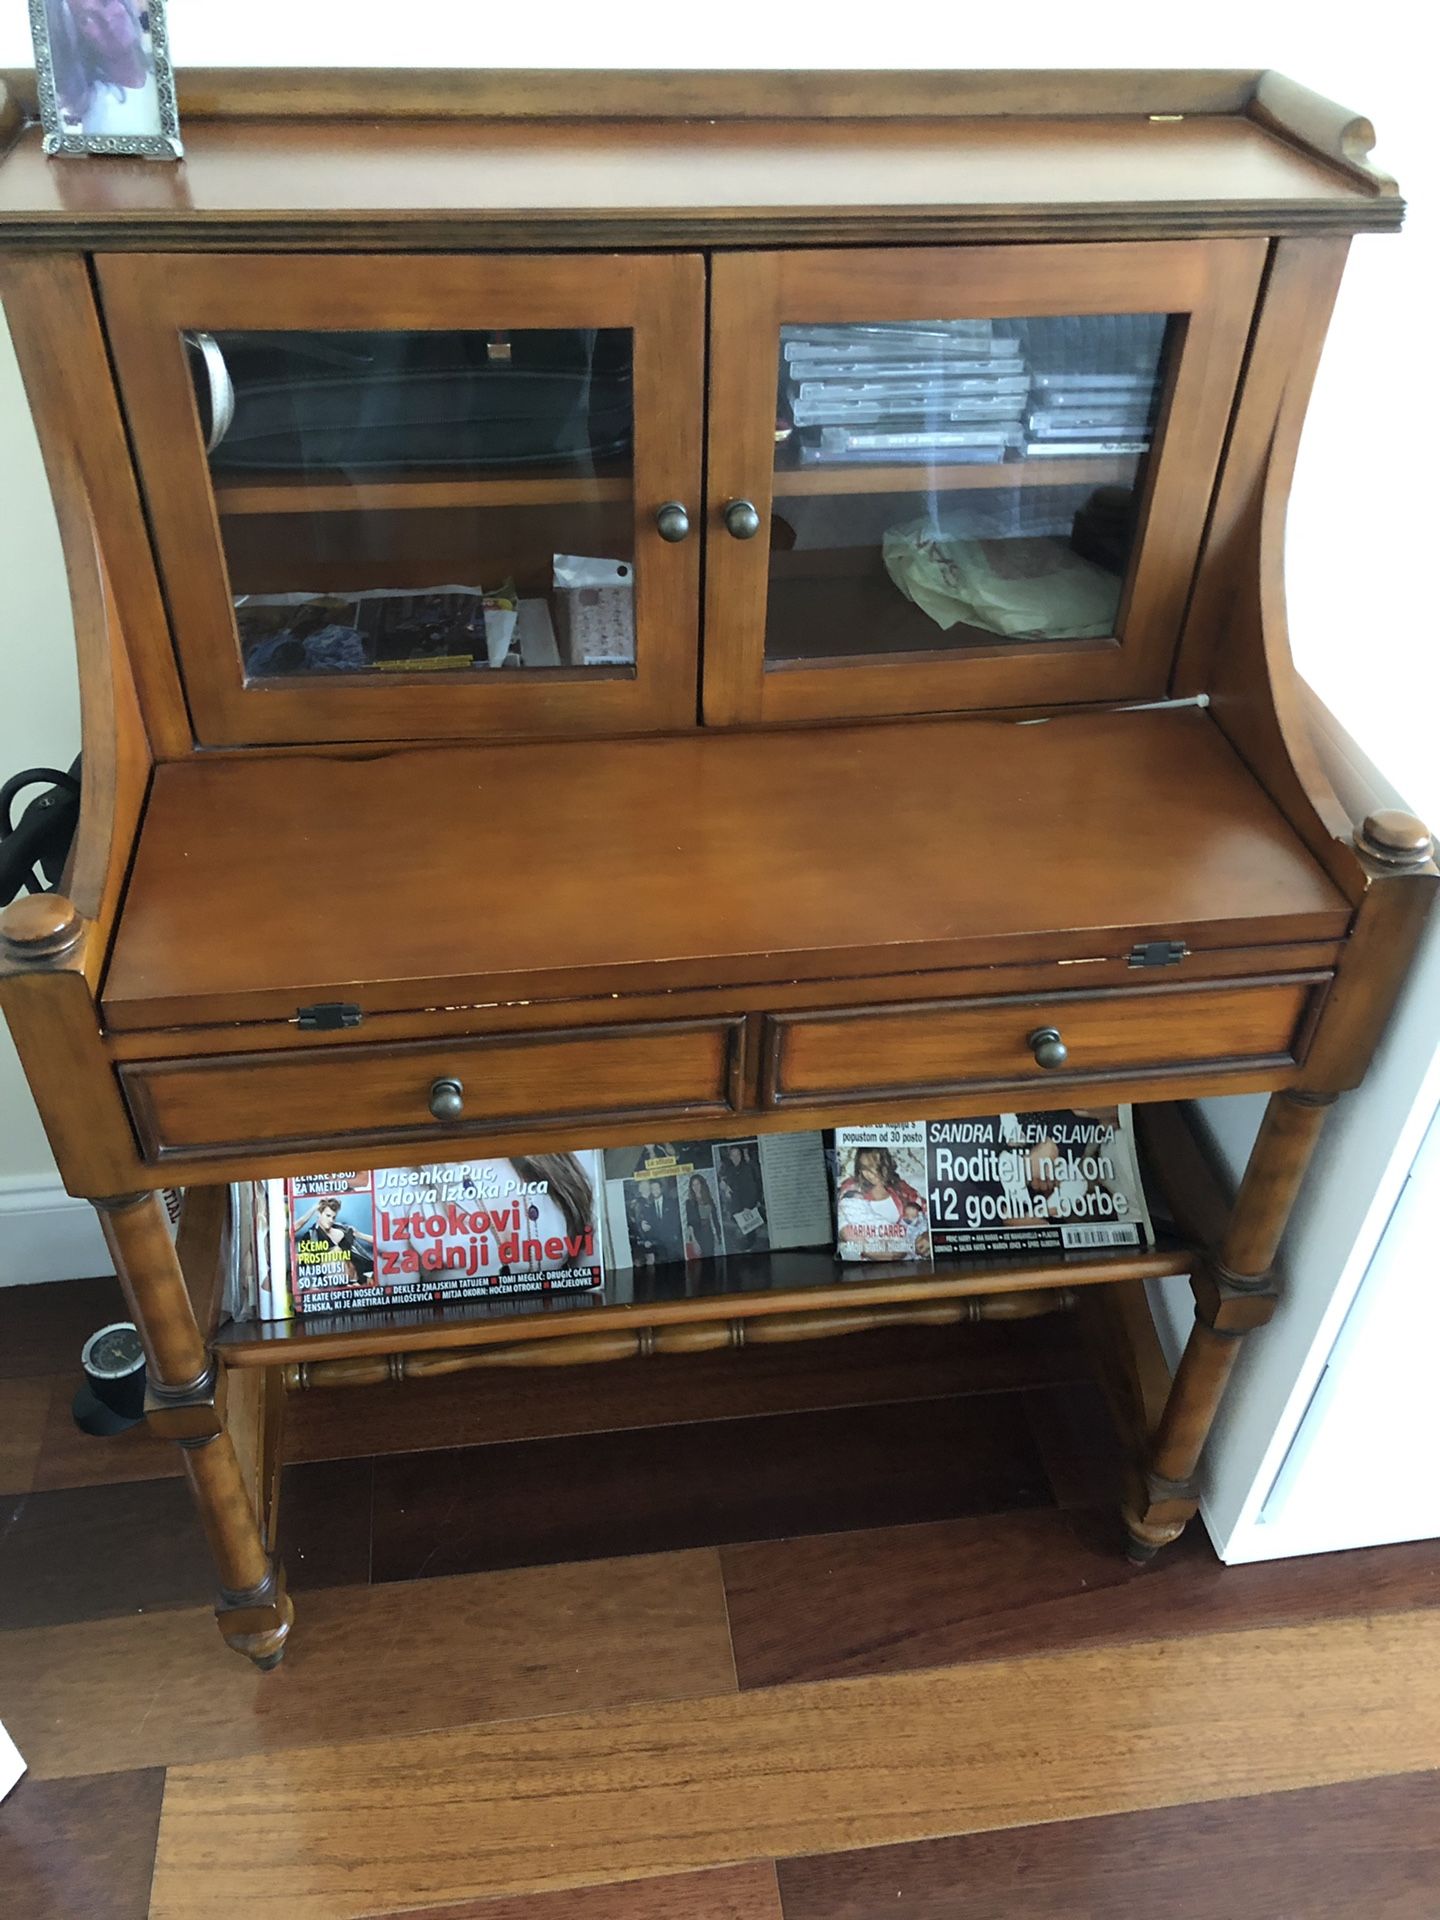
(1234, 1290)
(1233, 1293)
(185, 1402)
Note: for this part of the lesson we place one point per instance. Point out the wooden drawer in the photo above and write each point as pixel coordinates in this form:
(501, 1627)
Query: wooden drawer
(351, 1093)
(942, 1045)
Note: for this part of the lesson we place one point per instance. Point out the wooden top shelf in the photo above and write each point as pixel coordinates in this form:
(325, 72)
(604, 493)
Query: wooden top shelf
(742, 1287)
(237, 493)
(540, 871)
(405, 161)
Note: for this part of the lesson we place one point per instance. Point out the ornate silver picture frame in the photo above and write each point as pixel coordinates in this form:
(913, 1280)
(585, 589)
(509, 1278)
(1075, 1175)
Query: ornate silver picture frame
(103, 75)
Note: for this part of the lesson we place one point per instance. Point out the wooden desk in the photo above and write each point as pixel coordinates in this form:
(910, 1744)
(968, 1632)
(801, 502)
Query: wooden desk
(810, 854)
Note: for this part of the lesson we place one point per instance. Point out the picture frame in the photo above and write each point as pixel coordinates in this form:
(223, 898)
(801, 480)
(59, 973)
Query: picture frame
(104, 79)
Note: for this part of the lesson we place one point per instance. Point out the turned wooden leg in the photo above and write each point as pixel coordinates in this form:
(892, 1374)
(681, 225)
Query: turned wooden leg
(1233, 1294)
(185, 1402)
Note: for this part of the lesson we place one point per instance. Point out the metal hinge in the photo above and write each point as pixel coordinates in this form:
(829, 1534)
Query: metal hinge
(327, 1015)
(1157, 953)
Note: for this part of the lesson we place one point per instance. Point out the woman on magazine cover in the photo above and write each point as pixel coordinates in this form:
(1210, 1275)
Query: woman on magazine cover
(878, 1211)
(702, 1222)
(566, 1207)
(743, 1193)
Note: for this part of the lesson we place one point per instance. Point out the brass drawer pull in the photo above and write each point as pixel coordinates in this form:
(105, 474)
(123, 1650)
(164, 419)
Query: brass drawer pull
(672, 522)
(742, 520)
(447, 1099)
(1049, 1049)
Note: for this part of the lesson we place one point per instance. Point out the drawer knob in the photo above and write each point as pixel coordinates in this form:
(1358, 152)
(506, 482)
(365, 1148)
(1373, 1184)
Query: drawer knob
(1049, 1049)
(447, 1099)
(742, 520)
(672, 522)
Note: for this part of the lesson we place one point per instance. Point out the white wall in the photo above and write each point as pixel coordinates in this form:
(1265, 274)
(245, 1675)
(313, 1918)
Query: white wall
(1360, 530)
(39, 707)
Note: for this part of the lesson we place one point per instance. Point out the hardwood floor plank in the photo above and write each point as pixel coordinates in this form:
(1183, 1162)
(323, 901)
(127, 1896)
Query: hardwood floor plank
(533, 1805)
(892, 1364)
(748, 1892)
(81, 1849)
(43, 1328)
(681, 1487)
(155, 1689)
(70, 1458)
(90, 1551)
(86, 1552)
(956, 1591)
(24, 1408)
(1365, 1850)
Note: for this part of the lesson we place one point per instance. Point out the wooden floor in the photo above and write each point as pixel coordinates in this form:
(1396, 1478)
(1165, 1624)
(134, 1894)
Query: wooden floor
(829, 1633)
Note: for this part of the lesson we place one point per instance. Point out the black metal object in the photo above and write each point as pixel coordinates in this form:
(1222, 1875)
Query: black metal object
(1158, 953)
(34, 848)
(328, 1016)
(113, 1396)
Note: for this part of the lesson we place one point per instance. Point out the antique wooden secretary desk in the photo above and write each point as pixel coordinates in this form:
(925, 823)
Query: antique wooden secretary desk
(881, 704)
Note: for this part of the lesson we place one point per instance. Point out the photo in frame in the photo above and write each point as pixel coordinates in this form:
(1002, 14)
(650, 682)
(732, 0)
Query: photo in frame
(103, 75)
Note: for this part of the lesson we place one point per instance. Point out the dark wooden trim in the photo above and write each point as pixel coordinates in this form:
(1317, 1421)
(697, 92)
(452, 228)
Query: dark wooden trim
(283, 1342)
(1320, 128)
(695, 1336)
(582, 232)
(445, 93)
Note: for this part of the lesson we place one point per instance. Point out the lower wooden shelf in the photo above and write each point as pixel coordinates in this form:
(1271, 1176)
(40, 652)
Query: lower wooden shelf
(808, 1293)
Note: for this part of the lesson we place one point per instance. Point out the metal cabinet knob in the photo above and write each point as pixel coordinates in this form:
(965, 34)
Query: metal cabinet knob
(672, 522)
(1049, 1049)
(447, 1099)
(742, 520)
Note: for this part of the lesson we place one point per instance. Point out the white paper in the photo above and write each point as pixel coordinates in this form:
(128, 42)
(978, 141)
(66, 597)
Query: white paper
(11, 1765)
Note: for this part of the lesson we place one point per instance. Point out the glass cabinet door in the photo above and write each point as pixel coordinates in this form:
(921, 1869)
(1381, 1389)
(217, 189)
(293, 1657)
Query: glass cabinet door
(961, 480)
(404, 498)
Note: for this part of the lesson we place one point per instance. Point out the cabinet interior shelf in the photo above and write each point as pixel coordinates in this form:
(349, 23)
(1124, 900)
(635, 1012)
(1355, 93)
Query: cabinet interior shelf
(921, 477)
(743, 1287)
(262, 493)
(418, 491)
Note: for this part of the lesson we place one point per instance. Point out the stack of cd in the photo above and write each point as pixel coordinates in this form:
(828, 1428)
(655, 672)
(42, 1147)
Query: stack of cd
(1086, 413)
(922, 392)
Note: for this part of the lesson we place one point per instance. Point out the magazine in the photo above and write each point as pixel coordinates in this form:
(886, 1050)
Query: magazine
(410, 1236)
(387, 630)
(702, 1199)
(1064, 1179)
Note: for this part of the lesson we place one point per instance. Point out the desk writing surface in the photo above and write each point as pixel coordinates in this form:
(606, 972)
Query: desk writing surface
(429, 875)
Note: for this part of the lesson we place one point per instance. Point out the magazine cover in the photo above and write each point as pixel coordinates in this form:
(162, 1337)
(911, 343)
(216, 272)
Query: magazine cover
(689, 1200)
(1061, 1180)
(881, 1210)
(410, 1236)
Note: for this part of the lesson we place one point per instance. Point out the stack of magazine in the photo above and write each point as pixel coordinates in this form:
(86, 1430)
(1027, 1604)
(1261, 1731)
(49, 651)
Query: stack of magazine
(1063, 1181)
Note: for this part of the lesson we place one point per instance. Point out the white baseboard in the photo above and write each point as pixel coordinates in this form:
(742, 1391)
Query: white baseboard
(47, 1235)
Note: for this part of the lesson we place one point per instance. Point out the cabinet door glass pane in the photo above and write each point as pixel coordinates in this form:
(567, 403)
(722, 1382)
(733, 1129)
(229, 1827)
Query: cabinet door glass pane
(953, 484)
(437, 503)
